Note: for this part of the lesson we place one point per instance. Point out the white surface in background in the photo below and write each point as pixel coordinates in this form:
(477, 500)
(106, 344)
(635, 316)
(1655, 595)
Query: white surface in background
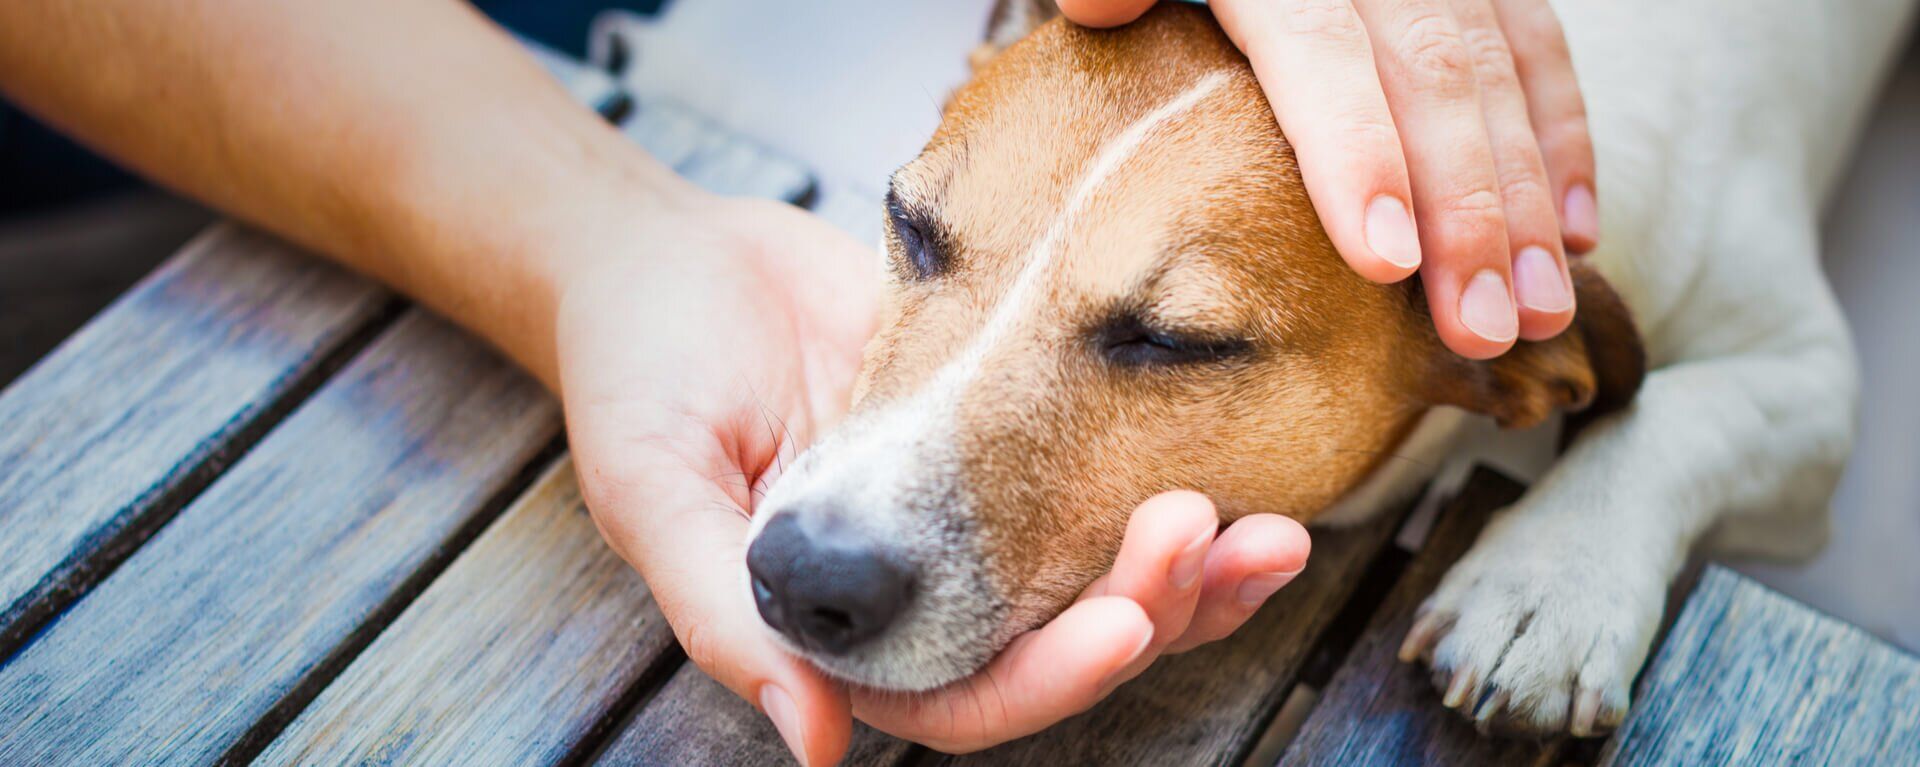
(853, 88)
(1869, 573)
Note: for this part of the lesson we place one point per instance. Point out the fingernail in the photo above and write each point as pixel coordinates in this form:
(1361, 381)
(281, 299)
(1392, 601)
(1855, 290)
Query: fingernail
(786, 718)
(1487, 309)
(1390, 232)
(1257, 587)
(1186, 567)
(1580, 214)
(1538, 282)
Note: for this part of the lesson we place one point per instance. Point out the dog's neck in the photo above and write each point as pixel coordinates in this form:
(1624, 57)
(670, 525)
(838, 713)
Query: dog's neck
(1400, 476)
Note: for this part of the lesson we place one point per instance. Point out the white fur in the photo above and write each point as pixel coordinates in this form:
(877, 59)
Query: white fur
(1719, 127)
(890, 463)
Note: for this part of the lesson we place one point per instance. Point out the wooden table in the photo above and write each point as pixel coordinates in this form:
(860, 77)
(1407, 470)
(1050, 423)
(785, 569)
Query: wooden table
(261, 510)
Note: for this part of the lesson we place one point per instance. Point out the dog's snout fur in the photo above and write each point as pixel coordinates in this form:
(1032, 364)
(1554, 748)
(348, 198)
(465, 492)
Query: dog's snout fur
(1106, 281)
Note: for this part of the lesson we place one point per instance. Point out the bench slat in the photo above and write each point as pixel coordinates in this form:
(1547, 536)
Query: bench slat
(512, 657)
(1377, 710)
(114, 430)
(694, 720)
(235, 613)
(531, 640)
(1748, 676)
(1208, 706)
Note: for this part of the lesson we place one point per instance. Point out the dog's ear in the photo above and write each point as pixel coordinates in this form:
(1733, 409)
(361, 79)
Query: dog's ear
(1011, 21)
(1593, 368)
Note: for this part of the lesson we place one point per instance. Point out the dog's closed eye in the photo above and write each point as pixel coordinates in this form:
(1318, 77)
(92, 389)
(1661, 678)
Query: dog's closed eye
(923, 250)
(1130, 341)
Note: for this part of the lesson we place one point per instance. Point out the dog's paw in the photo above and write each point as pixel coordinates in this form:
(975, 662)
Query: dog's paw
(1537, 641)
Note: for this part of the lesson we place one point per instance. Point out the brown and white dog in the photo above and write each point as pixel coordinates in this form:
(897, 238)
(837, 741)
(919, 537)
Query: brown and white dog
(1106, 281)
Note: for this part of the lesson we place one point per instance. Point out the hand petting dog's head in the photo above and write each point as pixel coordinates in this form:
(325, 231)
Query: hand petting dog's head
(1106, 281)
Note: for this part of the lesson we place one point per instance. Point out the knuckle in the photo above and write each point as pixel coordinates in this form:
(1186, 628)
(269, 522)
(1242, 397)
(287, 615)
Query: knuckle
(1432, 49)
(1539, 23)
(1522, 187)
(1326, 20)
(1567, 139)
(1492, 57)
(1373, 129)
(1476, 216)
(700, 647)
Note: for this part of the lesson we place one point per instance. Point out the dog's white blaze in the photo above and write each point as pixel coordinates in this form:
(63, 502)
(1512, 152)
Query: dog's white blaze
(914, 436)
(1109, 158)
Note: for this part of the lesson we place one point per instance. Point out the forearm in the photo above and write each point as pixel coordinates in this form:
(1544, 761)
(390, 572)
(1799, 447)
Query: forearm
(410, 140)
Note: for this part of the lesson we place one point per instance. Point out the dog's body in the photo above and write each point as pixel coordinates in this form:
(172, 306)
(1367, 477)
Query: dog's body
(1027, 390)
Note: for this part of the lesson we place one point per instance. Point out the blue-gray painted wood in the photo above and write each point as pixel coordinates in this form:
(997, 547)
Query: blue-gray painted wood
(258, 591)
(714, 158)
(524, 648)
(1379, 711)
(107, 436)
(517, 655)
(694, 720)
(1210, 705)
(1748, 676)
(1205, 706)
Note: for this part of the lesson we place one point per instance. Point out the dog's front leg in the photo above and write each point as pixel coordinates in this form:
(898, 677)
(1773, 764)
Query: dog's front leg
(1544, 624)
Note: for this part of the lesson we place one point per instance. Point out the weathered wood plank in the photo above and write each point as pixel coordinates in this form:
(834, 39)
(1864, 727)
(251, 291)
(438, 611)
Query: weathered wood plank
(1208, 706)
(1377, 710)
(515, 655)
(233, 615)
(1748, 676)
(718, 160)
(694, 720)
(1202, 707)
(1156, 719)
(113, 431)
(539, 575)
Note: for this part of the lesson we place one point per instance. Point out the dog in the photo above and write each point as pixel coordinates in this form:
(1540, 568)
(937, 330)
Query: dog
(1105, 280)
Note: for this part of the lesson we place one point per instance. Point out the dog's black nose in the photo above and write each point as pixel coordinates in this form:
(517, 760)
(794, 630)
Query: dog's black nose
(823, 584)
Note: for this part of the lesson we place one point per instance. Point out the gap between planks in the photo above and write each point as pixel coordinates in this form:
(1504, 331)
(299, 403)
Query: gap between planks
(121, 532)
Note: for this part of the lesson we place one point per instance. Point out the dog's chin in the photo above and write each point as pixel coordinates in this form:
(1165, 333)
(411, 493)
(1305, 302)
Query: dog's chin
(906, 661)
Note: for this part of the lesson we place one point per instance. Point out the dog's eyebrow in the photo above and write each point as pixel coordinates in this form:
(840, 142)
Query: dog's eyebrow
(1174, 292)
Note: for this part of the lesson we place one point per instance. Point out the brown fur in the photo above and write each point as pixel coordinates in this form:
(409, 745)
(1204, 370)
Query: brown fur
(1207, 229)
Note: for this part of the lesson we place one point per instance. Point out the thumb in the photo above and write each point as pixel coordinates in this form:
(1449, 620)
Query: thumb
(1103, 13)
(687, 537)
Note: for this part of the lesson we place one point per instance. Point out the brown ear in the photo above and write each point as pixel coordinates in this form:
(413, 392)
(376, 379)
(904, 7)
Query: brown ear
(1011, 21)
(1595, 367)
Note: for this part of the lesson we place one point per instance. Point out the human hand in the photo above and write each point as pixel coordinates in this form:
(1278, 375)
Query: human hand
(1467, 108)
(1174, 586)
(689, 381)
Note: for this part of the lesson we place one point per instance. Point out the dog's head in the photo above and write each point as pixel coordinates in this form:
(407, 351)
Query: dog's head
(1106, 281)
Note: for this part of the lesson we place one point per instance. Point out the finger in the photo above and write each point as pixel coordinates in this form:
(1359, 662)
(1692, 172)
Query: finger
(1162, 559)
(1558, 114)
(1254, 558)
(1043, 677)
(1103, 13)
(1161, 566)
(1427, 72)
(687, 537)
(1541, 286)
(1316, 66)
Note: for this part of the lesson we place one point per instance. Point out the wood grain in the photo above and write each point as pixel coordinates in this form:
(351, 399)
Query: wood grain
(516, 655)
(1377, 710)
(694, 720)
(1748, 676)
(1155, 719)
(718, 160)
(113, 431)
(231, 617)
(1208, 706)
